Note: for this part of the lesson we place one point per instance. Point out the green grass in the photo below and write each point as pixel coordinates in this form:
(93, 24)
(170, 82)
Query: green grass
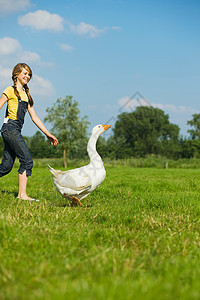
(150, 161)
(138, 238)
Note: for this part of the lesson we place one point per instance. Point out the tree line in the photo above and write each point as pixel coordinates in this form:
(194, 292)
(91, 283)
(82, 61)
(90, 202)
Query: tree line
(140, 133)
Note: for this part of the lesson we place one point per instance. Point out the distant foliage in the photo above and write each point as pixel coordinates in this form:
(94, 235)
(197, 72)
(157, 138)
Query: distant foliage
(195, 123)
(40, 147)
(145, 131)
(69, 127)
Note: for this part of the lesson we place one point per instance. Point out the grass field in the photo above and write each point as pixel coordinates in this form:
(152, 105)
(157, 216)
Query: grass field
(138, 238)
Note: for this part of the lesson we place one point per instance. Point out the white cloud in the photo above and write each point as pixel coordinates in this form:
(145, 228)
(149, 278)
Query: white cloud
(178, 109)
(12, 51)
(117, 28)
(12, 6)
(8, 46)
(129, 104)
(5, 77)
(66, 47)
(86, 29)
(42, 20)
(30, 57)
(40, 86)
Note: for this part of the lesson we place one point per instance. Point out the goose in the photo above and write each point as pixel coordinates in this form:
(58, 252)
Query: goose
(76, 184)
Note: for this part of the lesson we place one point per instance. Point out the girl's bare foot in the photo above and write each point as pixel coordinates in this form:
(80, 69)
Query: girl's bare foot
(26, 198)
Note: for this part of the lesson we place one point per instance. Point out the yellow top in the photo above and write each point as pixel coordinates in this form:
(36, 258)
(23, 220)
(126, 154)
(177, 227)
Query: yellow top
(13, 101)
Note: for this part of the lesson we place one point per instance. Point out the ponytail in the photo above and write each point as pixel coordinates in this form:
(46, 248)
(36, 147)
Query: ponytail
(14, 78)
(29, 95)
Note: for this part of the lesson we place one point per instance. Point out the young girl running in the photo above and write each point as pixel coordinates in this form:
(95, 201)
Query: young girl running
(19, 101)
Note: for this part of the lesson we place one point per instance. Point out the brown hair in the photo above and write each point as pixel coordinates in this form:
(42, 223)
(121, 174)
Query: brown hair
(16, 71)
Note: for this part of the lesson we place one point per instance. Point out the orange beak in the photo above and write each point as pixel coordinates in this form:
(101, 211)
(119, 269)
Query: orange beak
(106, 127)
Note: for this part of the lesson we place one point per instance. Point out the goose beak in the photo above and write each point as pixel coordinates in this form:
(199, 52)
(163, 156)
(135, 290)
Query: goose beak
(106, 127)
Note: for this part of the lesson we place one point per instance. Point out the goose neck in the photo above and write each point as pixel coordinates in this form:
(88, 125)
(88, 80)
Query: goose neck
(91, 148)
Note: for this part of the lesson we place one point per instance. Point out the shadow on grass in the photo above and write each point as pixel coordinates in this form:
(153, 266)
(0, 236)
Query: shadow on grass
(69, 205)
(9, 193)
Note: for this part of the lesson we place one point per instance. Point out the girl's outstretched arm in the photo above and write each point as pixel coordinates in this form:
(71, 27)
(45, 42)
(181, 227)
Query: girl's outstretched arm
(41, 126)
(3, 100)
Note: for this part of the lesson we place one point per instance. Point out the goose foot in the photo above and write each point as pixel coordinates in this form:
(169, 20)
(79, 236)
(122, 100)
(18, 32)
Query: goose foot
(74, 199)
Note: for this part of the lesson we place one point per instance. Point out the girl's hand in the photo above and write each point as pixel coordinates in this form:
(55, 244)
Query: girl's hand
(52, 139)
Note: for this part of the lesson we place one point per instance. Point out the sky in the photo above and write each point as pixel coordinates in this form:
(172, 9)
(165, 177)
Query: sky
(110, 55)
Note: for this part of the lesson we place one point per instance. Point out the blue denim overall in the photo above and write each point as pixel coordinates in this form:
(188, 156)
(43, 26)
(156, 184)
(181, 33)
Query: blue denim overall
(14, 144)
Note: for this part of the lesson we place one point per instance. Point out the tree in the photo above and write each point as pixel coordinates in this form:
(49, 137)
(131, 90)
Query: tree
(195, 122)
(70, 129)
(190, 148)
(147, 130)
(39, 146)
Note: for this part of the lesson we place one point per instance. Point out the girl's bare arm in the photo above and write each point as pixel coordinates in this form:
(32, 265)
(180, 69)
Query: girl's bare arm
(3, 100)
(41, 126)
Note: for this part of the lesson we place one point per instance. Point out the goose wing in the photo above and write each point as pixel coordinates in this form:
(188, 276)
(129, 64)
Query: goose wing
(76, 179)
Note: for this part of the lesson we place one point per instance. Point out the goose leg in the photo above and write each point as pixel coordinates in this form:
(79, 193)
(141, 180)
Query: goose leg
(72, 203)
(74, 200)
(77, 201)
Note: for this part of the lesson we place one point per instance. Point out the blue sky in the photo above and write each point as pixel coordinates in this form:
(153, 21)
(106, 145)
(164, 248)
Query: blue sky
(103, 52)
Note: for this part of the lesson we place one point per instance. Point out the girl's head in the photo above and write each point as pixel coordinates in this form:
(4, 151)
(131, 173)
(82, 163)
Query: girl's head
(18, 71)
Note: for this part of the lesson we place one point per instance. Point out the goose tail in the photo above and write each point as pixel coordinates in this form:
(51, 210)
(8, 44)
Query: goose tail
(54, 172)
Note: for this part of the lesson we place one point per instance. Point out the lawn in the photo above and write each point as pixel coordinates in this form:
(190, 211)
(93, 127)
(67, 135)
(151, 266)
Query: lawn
(137, 238)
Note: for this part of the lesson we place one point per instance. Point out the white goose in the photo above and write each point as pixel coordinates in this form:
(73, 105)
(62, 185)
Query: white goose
(77, 184)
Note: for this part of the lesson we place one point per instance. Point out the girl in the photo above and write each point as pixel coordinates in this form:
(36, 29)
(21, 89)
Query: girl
(19, 101)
